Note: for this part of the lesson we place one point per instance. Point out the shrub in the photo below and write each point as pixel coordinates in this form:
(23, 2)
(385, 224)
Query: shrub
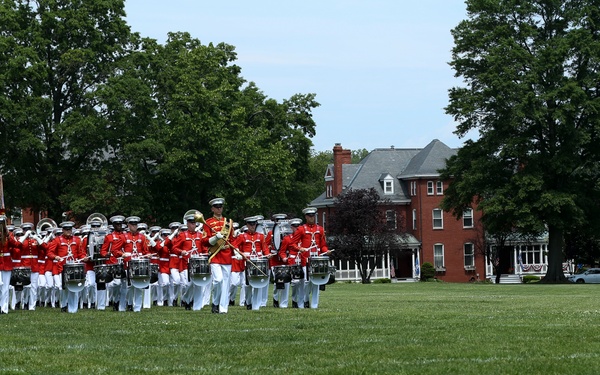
(427, 271)
(531, 279)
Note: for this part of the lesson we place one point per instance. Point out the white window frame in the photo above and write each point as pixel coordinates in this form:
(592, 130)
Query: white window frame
(414, 218)
(388, 186)
(438, 257)
(439, 188)
(469, 256)
(429, 187)
(440, 218)
(468, 216)
(413, 188)
(324, 216)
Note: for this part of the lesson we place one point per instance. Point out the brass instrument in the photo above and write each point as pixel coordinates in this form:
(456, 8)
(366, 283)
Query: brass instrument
(45, 225)
(97, 218)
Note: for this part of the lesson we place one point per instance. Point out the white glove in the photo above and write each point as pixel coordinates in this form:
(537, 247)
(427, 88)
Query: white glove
(151, 242)
(219, 235)
(37, 238)
(213, 240)
(237, 256)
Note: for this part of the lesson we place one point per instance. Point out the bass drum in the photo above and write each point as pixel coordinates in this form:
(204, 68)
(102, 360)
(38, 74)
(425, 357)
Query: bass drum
(154, 273)
(20, 277)
(103, 273)
(297, 272)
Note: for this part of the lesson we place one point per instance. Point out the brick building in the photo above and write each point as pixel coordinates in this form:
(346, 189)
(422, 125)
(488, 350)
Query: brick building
(408, 178)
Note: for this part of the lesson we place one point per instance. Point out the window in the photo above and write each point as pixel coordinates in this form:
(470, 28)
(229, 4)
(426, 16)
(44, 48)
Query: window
(389, 187)
(429, 187)
(468, 218)
(438, 256)
(438, 219)
(329, 191)
(413, 188)
(414, 219)
(469, 252)
(439, 188)
(323, 224)
(390, 216)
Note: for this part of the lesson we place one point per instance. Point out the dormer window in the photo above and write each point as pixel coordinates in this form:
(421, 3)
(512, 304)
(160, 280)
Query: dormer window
(387, 183)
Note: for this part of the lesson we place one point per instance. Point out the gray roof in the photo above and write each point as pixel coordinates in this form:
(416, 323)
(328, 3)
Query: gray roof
(407, 163)
(428, 161)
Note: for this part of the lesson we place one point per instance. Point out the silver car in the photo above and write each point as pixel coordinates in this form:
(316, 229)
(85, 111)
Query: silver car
(591, 276)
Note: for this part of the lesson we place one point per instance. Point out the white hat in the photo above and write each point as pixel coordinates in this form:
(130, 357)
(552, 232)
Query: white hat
(309, 210)
(214, 201)
(134, 220)
(190, 217)
(67, 225)
(279, 216)
(27, 226)
(174, 225)
(154, 228)
(296, 221)
(117, 219)
(251, 219)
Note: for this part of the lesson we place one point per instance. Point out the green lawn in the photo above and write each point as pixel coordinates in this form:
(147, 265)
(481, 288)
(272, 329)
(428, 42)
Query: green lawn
(404, 328)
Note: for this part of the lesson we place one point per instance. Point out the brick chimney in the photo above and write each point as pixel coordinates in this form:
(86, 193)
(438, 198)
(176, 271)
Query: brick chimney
(340, 157)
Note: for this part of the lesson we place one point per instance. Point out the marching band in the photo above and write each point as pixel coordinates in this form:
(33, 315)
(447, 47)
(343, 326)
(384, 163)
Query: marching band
(128, 266)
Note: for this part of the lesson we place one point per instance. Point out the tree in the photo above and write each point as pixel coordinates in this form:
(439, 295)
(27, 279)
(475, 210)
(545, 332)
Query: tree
(531, 73)
(358, 230)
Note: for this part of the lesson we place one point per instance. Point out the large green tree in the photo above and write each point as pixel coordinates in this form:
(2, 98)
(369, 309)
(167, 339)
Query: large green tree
(95, 118)
(531, 89)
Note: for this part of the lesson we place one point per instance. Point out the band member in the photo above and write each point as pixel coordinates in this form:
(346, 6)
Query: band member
(52, 291)
(310, 239)
(237, 279)
(134, 248)
(219, 232)
(290, 257)
(112, 248)
(8, 246)
(153, 239)
(30, 245)
(89, 293)
(66, 248)
(254, 247)
(163, 246)
(189, 244)
(175, 282)
(274, 260)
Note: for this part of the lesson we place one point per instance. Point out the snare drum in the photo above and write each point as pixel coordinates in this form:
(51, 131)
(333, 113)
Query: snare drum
(332, 270)
(139, 272)
(199, 270)
(153, 273)
(297, 272)
(118, 270)
(104, 273)
(281, 276)
(73, 277)
(318, 269)
(20, 277)
(258, 274)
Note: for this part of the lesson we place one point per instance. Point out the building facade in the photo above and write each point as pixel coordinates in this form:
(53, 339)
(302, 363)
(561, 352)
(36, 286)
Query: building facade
(408, 179)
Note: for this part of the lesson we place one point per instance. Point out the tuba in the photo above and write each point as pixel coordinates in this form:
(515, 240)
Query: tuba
(46, 225)
(98, 230)
(225, 231)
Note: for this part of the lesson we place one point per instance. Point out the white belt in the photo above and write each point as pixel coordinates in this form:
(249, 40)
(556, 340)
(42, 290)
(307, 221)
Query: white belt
(5, 254)
(29, 256)
(292, 256)
(174, 255)
(163, 259)
(16, 261)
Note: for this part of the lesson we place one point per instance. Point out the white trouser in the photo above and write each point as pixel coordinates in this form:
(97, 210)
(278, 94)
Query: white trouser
(311, 294)
(221, 274)
(33, 289)
(4, 287)
(163, 286)
(174, 286)
(282, 295)
(237, 281)
(89, 291)
(298, 286)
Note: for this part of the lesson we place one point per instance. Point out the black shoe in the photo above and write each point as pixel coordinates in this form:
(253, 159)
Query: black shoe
(231, 303)
(129, 308)
(249, 307)
(306, 305)
(294, 305)
(175, 304)
(115, 307)
(165, 303)
(322, 287)
(275, 303)
(110, 303)
(63, 309)
(155, 303)
(215, 309)
(26, 306)
(18, 306)
(188, 306)
(93, 306)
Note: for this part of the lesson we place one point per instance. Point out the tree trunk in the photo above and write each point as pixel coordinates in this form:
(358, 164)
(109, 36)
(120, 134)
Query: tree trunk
(555, 273)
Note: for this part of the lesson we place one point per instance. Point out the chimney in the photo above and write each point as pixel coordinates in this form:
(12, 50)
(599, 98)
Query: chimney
(340, 157)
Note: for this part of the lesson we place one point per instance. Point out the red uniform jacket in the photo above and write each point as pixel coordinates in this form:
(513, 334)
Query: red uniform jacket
(216, 225)
(190, 242)
(135, 244)
(112, 247)
(7, 250)
(68, 248)
(311, 237)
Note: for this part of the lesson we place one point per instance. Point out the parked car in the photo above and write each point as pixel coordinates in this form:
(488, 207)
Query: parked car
(591, 276)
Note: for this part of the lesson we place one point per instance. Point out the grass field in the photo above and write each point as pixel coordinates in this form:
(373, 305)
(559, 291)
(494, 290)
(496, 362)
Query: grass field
(403, 328)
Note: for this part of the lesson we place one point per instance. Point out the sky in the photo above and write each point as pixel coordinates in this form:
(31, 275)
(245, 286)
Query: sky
(379, 68)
